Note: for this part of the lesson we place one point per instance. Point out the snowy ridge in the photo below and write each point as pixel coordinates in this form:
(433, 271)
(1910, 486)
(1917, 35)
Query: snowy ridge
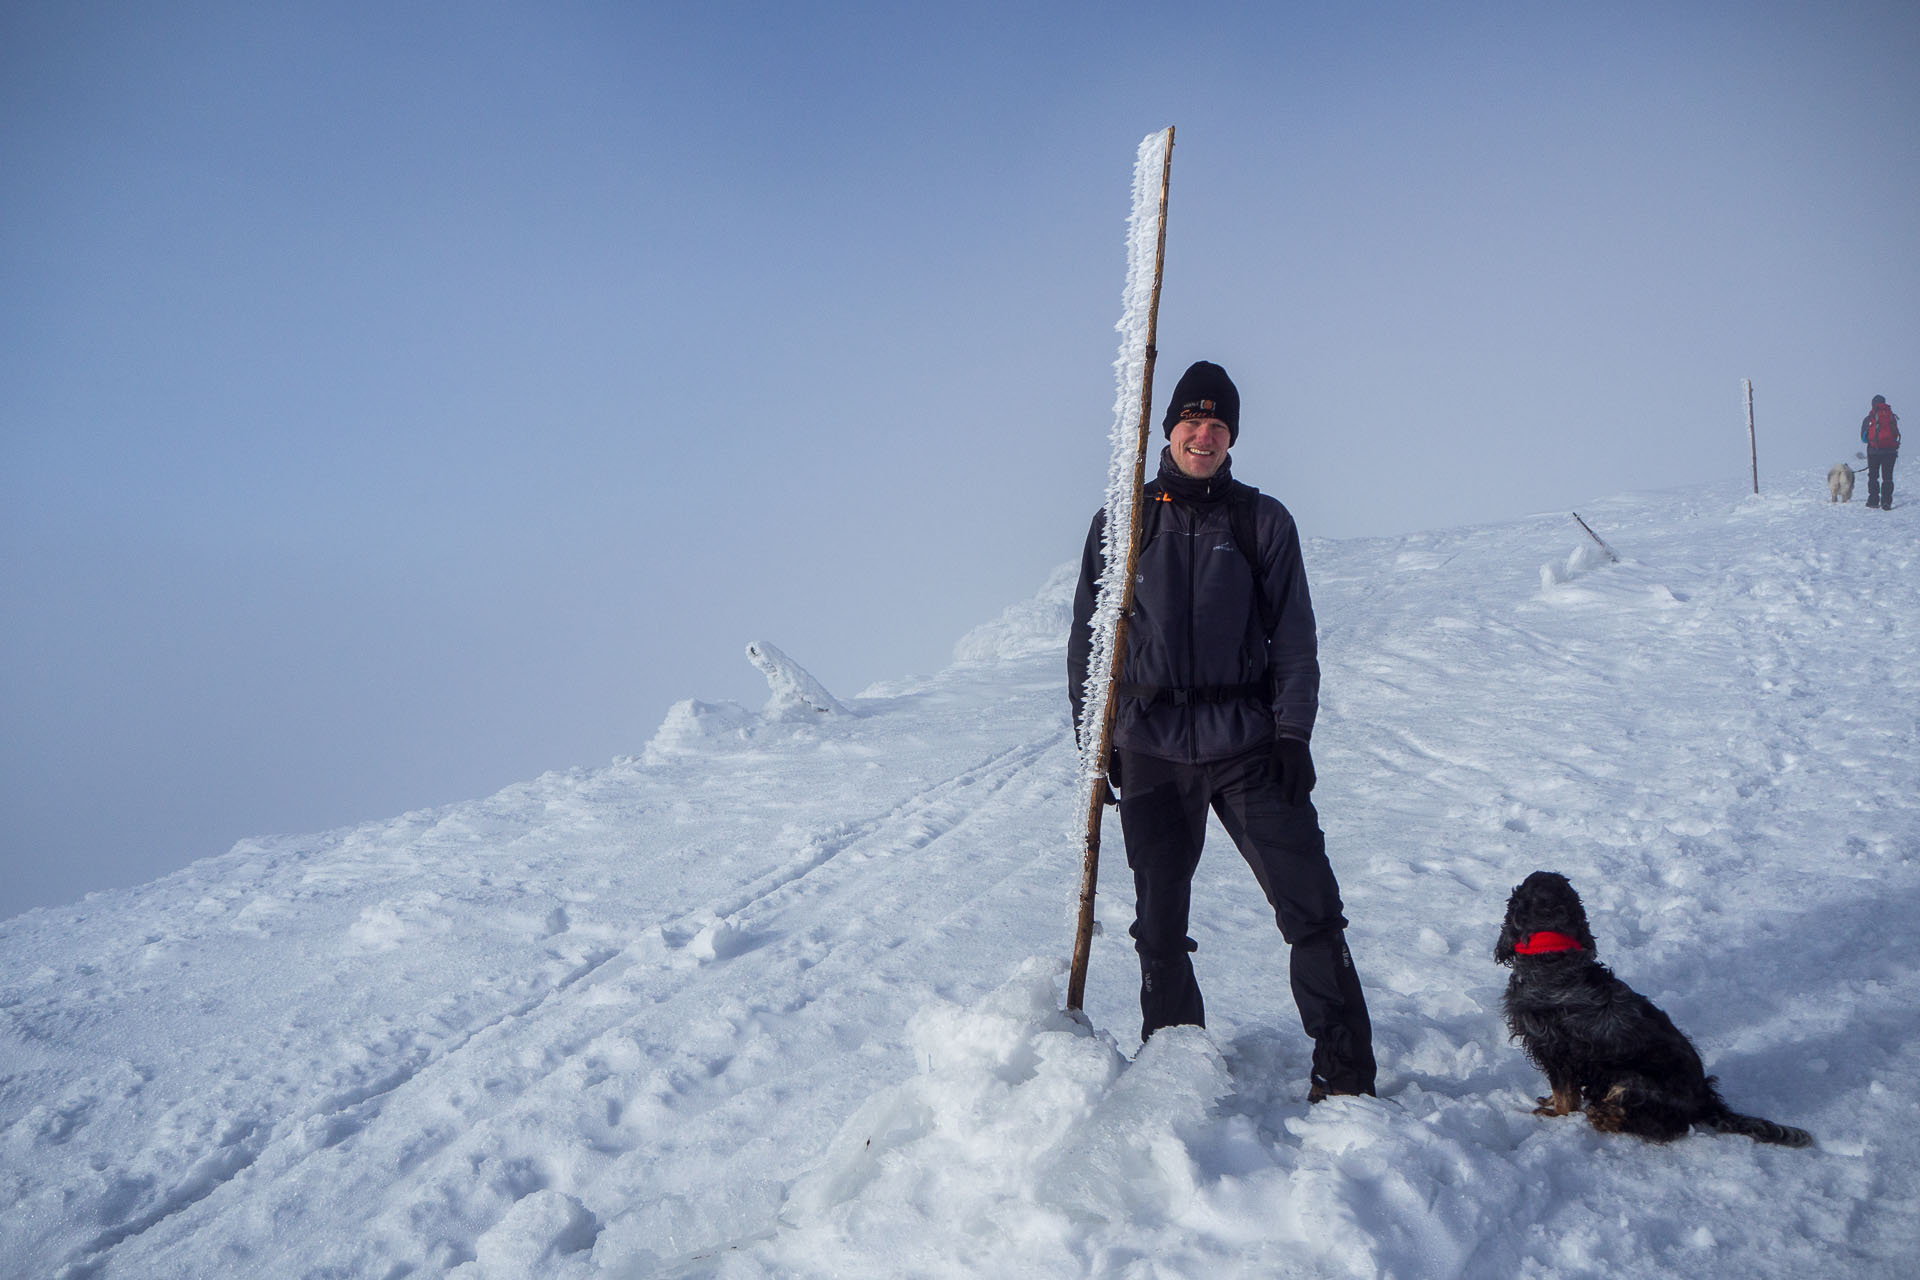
(1030, 629)
(780, 996)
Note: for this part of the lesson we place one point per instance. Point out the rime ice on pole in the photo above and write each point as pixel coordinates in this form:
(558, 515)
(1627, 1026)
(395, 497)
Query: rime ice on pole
(1130, 369)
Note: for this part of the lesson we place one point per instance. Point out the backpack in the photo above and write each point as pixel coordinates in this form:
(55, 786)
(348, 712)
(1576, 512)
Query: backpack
(1882, 428)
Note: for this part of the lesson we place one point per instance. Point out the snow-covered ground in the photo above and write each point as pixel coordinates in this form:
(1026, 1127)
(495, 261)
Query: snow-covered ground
(779, 995)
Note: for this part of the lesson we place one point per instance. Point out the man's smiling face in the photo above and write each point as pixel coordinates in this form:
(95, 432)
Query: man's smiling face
(1199, 446)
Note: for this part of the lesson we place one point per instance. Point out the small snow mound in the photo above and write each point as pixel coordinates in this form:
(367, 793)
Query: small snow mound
(1001, 1084)
(1583, 559)
(718, 939)
(535, 1236)
(384, 926)
(1031, 628)
(691, 726)
(1024, 1118)
(1133, 1160)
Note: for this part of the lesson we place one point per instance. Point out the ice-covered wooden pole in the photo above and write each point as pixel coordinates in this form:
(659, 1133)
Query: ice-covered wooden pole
(1132, 415)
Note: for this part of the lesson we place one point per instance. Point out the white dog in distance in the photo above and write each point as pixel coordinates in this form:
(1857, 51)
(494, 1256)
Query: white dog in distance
(1840, 483)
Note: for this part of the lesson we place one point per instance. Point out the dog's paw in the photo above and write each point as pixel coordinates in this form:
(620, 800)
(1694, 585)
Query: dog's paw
(1607, 1116)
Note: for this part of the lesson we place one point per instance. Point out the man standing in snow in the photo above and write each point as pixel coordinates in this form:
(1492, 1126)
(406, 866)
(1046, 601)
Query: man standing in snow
(1880, 432)
(1216, 702)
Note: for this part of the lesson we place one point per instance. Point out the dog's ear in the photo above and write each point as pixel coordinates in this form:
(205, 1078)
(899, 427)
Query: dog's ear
(1503, 952)
(1577, 918)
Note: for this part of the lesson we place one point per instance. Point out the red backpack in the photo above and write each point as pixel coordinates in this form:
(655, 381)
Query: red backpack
(1883, 430)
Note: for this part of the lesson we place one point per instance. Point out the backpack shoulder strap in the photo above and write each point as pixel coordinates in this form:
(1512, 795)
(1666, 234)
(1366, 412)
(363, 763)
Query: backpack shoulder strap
(1153, 496)
(1246, 536)
(1150, 499)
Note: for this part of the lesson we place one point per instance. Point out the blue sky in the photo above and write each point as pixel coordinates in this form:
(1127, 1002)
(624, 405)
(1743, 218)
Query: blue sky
(403, 400)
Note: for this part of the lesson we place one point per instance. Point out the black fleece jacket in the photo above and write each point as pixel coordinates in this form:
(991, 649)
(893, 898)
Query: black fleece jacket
(1196, 626)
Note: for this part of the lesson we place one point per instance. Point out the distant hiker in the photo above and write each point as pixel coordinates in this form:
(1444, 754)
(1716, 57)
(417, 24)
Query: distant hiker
(1215, 704)
(1880, 432)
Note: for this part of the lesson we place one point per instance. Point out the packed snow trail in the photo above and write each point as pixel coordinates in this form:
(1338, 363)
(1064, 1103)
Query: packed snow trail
(562, 1019)
(779, 996)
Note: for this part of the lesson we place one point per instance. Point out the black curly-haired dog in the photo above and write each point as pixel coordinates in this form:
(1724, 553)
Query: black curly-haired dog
(1599, 1040)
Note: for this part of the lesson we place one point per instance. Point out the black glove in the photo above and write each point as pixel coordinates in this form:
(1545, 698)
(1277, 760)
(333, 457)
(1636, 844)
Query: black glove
(1293, 767)
(1113, 771)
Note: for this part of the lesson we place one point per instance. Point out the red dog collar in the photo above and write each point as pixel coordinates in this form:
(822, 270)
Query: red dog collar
(1546, 942)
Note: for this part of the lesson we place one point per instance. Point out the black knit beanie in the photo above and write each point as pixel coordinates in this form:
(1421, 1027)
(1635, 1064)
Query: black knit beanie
(1205, 391)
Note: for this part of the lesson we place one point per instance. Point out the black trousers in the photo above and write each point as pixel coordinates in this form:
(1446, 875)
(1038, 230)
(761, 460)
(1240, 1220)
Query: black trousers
(1163, 813)
(1880, 476)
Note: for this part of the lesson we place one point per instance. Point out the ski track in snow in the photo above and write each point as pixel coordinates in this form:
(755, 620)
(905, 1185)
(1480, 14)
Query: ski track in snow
(778, 997)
